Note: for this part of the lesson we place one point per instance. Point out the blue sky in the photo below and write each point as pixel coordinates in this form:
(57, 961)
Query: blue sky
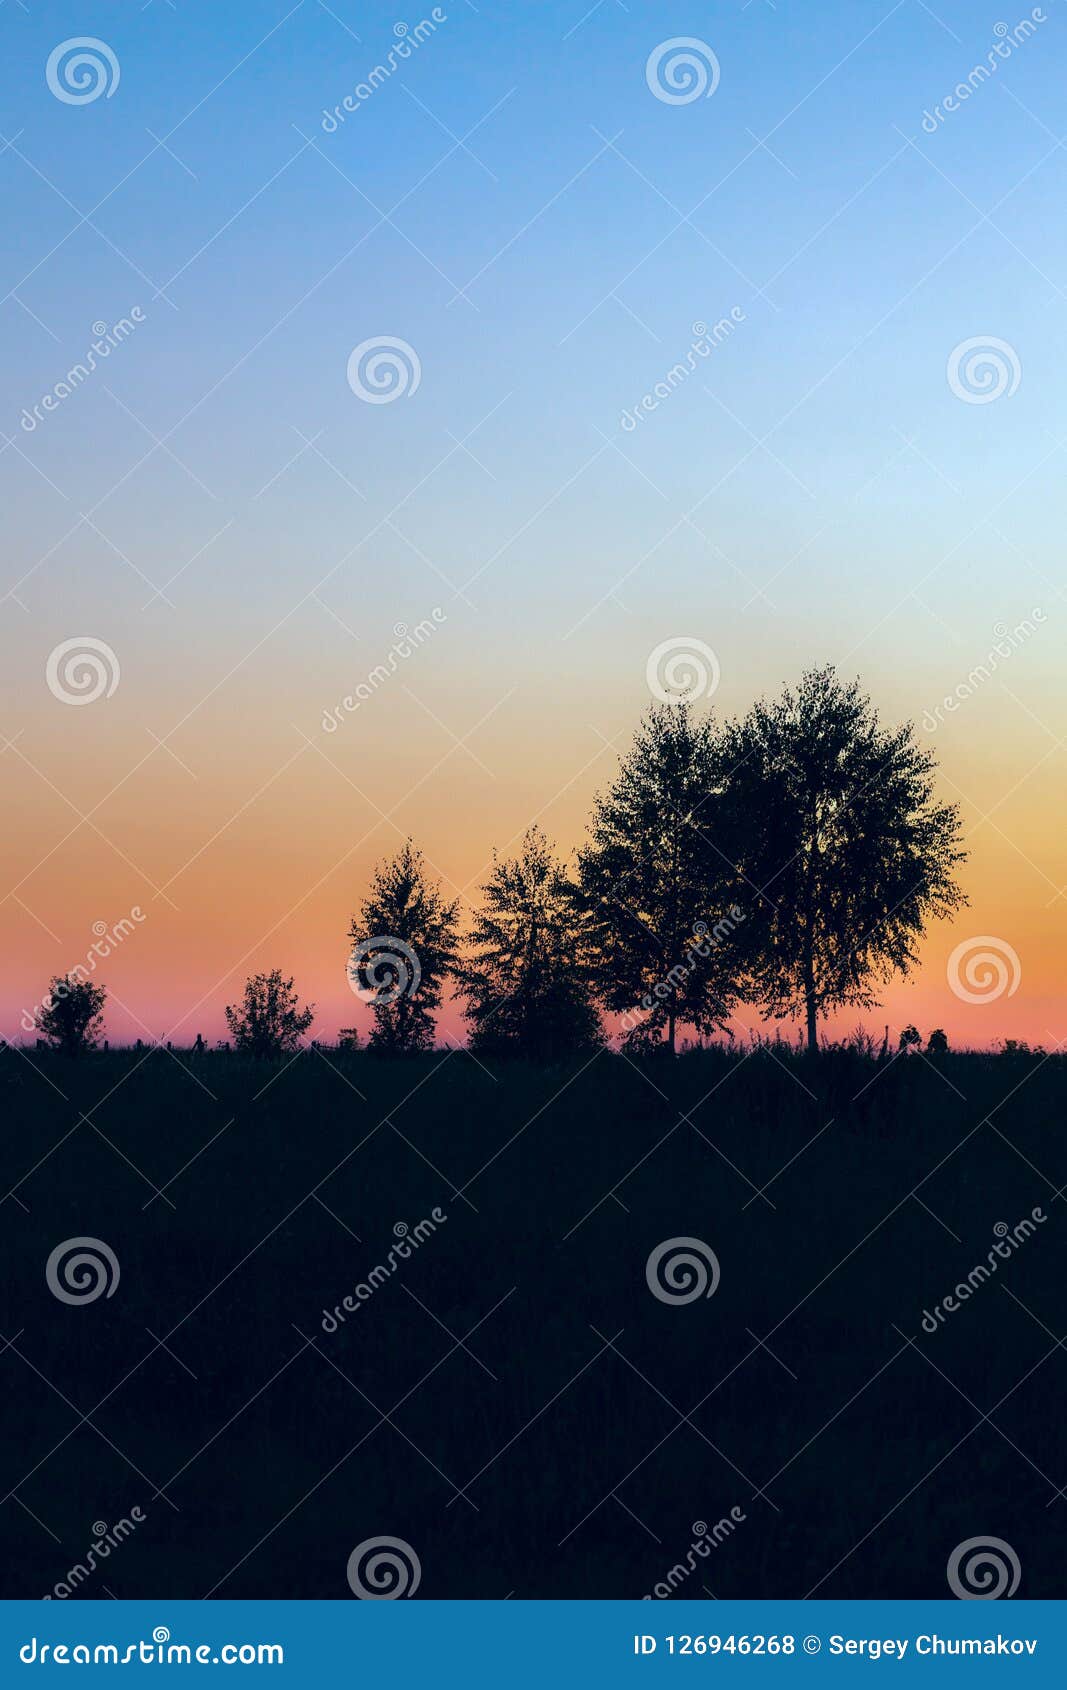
(517, 205)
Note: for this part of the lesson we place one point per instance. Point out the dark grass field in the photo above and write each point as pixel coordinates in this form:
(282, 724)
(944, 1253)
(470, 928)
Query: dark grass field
(514, 1402)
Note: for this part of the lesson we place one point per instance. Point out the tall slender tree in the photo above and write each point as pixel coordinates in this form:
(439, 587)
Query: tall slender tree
(403, 950)
(661, 897)
(836, 821)
(525, 979)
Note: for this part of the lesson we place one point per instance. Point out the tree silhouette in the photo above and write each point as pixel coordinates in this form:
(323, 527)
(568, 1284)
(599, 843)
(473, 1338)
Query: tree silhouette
(72, 1015)
(835, 821)
(525, 982)
(659, 894)
(403, 949)
(269, 1020)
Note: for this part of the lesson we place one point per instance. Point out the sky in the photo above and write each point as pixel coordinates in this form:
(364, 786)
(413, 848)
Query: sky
(863, 465)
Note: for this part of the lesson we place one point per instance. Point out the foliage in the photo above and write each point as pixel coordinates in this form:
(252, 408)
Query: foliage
(403, 984)
(525, 983)
(72, 1015)
(835, 821)
(655, 883)
(269, 1020)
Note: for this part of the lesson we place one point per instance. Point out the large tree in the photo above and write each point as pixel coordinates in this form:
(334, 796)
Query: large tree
(525, 982)
(836, 820)
(269, 1020)
(403, 950)
(662, 899)
(72, 1015)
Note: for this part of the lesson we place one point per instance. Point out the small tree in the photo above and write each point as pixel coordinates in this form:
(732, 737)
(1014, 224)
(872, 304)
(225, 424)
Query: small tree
(837, 824)
(526, 986)
(937, 1043)
(655, 882)
(72, 1015)
(269, 1020)
(910, 1038)
(403, 950)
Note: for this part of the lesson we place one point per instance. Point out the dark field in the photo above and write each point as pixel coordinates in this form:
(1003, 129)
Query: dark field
(554, 1428)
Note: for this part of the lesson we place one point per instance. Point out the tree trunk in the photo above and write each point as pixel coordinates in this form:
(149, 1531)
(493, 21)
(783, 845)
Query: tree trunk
(810, 1006)
(670, 1030)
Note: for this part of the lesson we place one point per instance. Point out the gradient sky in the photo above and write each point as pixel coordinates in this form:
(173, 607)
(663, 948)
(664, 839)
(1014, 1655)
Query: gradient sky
(517, 205)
